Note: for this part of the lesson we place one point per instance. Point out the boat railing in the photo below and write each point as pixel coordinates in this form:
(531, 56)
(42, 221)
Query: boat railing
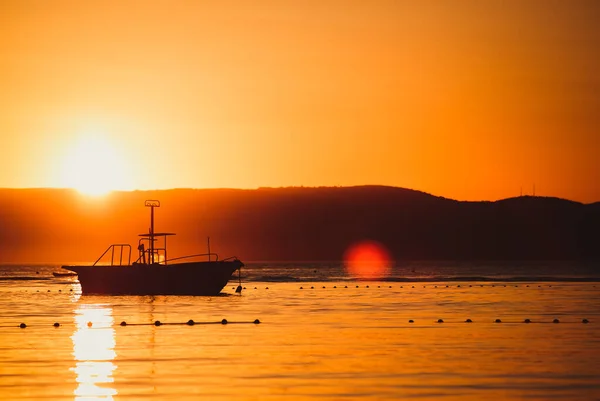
(210, 256)
(230, 258)
(120, 251)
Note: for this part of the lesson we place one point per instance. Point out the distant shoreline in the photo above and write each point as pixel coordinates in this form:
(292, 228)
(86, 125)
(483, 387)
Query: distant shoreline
(299, 224)
(91, 197)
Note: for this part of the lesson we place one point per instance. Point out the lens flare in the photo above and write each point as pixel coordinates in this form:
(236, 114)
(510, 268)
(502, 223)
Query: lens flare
(367, 260)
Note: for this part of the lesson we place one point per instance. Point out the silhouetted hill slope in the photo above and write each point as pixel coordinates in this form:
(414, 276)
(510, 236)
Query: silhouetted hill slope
(297, 224)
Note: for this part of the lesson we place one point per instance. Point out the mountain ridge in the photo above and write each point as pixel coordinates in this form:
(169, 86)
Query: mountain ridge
(298, 223)
(304, 188)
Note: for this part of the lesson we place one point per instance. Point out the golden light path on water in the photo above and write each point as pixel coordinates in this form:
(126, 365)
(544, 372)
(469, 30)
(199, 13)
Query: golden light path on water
(94, 353)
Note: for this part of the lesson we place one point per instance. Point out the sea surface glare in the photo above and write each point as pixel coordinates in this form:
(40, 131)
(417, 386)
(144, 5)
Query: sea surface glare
(322, 335)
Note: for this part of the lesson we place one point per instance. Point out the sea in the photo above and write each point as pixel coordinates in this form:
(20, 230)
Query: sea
(310, 331)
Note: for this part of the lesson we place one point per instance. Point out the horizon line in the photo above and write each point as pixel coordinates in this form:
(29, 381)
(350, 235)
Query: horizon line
(294, 187)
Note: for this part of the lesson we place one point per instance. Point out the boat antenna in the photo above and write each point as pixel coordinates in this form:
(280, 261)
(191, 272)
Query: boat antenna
(151, 204)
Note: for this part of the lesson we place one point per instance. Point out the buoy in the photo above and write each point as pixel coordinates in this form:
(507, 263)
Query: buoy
(224, 321)
(335, 286)
(468, 321)
(238, 289)
(123, 323)
(458, 286)
(71, 290)
(366, 286)
(255, 288)
(56, 324)
(48, 290)
(323, 286)
(378, 286)
(470, 286)
(413, 286)
(22, 325)
(401, 286)
(312, 287)
(157, 323)
(498, 321)
(440, 321)
(356, 286)
(527, 321)
(190, 322)
(411, 321)
(345, 286)
(435, 286)
(266, 288)
(585, 321)
(244, 287)
(256, 321)
(301, 288)
(89, 324)
(390, 286)
(556, 321)
(59, 290)
(446, 286)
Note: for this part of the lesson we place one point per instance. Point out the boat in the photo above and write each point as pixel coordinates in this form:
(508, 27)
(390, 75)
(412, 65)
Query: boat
(153, 273)
(64, 274)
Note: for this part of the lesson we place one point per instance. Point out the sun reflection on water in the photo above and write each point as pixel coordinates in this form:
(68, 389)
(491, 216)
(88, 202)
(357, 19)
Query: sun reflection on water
(94, 352)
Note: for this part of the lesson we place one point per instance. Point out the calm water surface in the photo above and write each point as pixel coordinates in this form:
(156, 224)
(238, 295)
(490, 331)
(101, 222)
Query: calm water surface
(312, 343)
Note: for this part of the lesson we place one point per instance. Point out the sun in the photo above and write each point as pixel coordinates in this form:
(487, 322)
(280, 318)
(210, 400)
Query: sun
(94, 167)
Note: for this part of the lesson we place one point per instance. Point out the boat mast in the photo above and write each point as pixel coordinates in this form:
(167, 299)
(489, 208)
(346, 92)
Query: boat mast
(151, 204)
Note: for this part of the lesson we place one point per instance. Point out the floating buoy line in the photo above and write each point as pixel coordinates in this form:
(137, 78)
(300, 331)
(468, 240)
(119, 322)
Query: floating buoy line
(238, 289)
(409, 286)
(156, 323)
(492, 284)
(192, 322)
(312, 287)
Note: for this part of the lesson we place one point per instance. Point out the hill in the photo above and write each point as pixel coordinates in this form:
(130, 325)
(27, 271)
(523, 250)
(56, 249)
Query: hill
(60, 226)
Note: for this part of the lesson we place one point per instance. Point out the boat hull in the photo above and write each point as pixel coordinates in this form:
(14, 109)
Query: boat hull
(193, 278)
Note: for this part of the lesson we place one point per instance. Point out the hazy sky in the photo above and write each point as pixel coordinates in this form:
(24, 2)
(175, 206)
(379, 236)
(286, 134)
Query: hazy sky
(465, 99)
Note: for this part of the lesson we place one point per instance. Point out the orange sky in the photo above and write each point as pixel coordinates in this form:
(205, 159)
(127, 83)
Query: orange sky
(465, 99)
